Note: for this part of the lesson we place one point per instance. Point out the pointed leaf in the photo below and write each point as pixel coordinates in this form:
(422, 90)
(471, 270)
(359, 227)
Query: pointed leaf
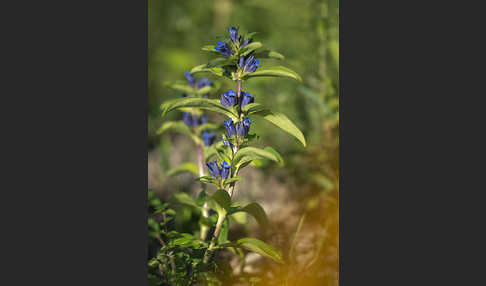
(280, 159)
(250, 47)
(181, 86)
(267, 54)
(221, 202)
(250, 153)
(202, 103)
(231, 180)
(184, 199)
(209, 48)
(181, 127)
(280, 120)
(204, 68)
(260, 247)
(257, 212)
(208, 127)
(207, 179)
(186, 167)
(277, 71)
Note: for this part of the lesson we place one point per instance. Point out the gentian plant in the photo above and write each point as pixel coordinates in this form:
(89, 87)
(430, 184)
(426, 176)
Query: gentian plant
(238, 59)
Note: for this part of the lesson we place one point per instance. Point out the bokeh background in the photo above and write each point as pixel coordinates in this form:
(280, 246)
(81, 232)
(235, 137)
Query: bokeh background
(306, 32)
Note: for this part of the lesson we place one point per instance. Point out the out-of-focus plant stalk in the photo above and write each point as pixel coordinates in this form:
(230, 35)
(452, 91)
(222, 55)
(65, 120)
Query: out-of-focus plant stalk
(205, 213)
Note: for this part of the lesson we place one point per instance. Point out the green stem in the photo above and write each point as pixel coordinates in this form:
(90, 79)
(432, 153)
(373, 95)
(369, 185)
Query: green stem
(221, 217)
(219, 225)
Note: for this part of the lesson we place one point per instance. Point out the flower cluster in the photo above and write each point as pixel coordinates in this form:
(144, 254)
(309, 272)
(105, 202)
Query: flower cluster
(208, 138)
(200, 84)
(192, 120)
(229, 98)
(227, 49)
(240, 128)
(248, 63)
(219, 172)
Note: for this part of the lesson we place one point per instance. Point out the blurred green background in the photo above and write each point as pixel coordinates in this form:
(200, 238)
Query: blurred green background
(306, 32)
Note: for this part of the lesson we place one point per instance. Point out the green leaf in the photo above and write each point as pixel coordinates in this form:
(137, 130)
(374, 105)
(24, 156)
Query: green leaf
(250, 47)
(268, 54)
(208, 127)
(180, 86)
(250, 153)
(219, 62)
(180, 127)
(209, 48)
(204, 68)
(257, 212)
(231, 180)
(281, 121)
(204, 90)
(184, 199)
(277, 71)
(260, 247)
(202, 103)
(252, 108)
(201, 198)
(221, 202)
(249, 35)
(207, 179)
(223, 235)
(186, 167)
(280, 159)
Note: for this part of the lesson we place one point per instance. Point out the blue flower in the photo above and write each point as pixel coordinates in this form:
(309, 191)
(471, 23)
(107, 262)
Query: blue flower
(248, 63)
(225, 170)
(223, 48)
(208, 138)
(192, 120)
(226, 142)
(243, 127)
(214, 170)
(190, 79)
(233, 34)
(228, 98)
(246, 98)
(230, 127)
(204, 82)
(246, 42)
(203, 119)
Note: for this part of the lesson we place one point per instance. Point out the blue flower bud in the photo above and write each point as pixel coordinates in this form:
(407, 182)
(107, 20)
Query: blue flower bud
(249, 64)
(246, 42)
(208, 138)
(226, 142)
(204, 82)
(230, 128)
(233, 34)
(242, 128)
(214, 170)
(192, 120)
(242, 62)
(246, 98)
(228, 98)
(225, 170)
(203, 119)
(190, 79)
(223, 48)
